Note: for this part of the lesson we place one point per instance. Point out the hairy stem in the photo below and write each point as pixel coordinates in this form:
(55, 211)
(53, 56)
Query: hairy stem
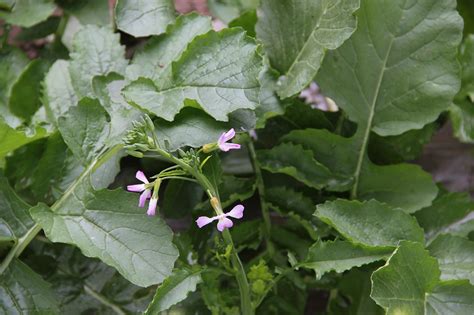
(261, 194)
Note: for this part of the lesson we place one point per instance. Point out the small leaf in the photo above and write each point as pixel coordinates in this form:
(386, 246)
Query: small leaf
(401, 286)
(296, 36)
(370, 223)
(174, 289)
(218, 70)
(27, 13)
(85, 129)
(340, 256)
(87, 11)
(455, 257)
(22, 291)
(144, 18)
(108, 225)
(12, 139)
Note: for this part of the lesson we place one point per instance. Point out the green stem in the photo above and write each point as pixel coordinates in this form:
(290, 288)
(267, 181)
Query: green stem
(241, 277)
(102, 299)
(261, 194)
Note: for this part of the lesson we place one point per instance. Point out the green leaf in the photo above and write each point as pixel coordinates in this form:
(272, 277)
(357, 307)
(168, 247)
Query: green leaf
(191, 127)
(108, 90)
(87, 11)
(451, 297)
(374, 64)
(287, 200)
(174, 289)
(455, 257)
(59, 93)
(355, 287)
(409, 284)
(218, 70)
(340, 256)
(179, 198)
(450, 213)
(27, 13)
(155, 59)
(466, 9)
(404, 185)
(15, 220)
(247, 21)
(462, 111)
(25, 92)
(233, 189)
(95, 51)
(108, 225)
(12, 139)
(296, 36)
(295, 161)
(22, 291)
(397, 149)
(85, 129)
(370, 223)
(40, 30)
(144, 18)
(401, 286)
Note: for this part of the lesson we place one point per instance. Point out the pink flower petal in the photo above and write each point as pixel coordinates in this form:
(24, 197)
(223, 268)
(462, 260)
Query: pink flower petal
(136, 188)
(141, 177)
(152, 206)
(224, 223)
(229, 146)
(143, 197)
(203, 220)
(237, 212)
(226, 136)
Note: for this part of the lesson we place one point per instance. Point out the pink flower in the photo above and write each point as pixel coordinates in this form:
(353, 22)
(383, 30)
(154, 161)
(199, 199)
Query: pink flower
(224, 223)
(226, 136)
(145, 193)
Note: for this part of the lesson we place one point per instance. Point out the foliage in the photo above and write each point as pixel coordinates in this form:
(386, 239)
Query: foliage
(264, 191)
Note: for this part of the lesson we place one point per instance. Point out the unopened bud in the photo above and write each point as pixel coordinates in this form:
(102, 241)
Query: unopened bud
(135, 154)
(215, 203)
(207, 148)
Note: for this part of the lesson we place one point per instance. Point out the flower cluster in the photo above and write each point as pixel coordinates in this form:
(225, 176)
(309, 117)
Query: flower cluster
(149, 190)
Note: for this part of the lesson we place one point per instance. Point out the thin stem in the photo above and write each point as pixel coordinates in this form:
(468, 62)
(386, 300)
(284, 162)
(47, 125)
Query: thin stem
(261, 194)
(241, 277)
(18, 248)
(102, 299)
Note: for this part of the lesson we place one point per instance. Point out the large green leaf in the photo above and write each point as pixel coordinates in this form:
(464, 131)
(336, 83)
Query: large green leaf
(450, 213)
(217, 70)
(108, 225)
(340, 256)
(406, 41)
(14, 219)
(27, 13)
(409, 284)
(297, 34)
(144, 18)
(455, 257)
(174, 289)
(403, 185)
(370, 223)
(462, 111)
(22, 291)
